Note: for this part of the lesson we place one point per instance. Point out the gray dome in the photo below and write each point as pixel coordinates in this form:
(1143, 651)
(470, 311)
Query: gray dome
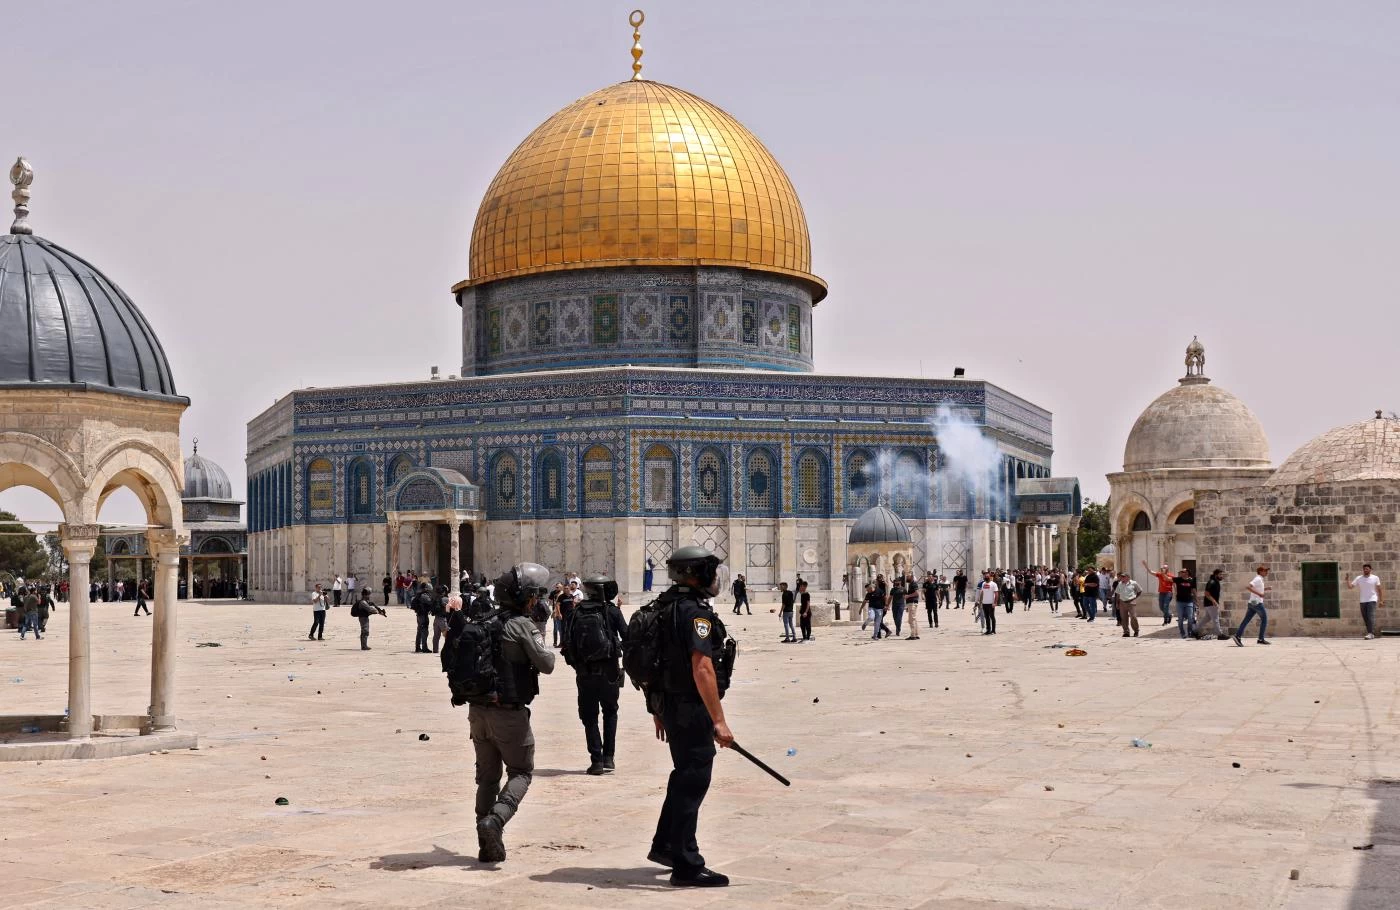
(1369, 450)
(205, 480)
(64, 323)
(879, 525)
(1196, 425)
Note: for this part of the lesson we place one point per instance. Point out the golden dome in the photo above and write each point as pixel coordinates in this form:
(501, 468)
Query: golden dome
(640, 173)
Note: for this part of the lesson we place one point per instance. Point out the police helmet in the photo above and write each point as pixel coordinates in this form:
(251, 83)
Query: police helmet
(600, 587)
(695, 563)
(442, 589)
(524, 580)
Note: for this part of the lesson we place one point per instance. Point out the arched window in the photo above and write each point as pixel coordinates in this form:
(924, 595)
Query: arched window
(659, 479)
(711, 488)
(120, 548)
(598, 480)
(861, 481)
(910, 486)
(399, 466)
(811, 483)
(362, 487)
(320, 489)
(551, 472)
(1141, 522)
(505, 484)
(1187, 518)
(762, 482)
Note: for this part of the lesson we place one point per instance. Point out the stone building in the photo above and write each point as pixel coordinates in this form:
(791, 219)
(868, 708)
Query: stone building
(1195, 436)
(637, 336)
(1197, 490)
(1331, 507)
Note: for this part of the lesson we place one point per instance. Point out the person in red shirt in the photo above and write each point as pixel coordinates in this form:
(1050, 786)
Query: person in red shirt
(1164, 591)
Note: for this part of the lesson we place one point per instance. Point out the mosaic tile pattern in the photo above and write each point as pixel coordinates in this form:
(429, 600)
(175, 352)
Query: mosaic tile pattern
(642, 321)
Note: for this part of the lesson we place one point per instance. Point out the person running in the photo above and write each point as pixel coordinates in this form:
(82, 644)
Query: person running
(30, 623)
(1165, 585)
(988, 595)
(1125, 594)
(1258, 588)
(874, 609)
(1210, 602)
(141, 597)
(741, 594)
(1369, 590)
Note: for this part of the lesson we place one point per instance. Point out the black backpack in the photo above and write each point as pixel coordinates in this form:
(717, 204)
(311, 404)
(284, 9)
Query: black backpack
(642, 649)
(591, 638)
(469, 656)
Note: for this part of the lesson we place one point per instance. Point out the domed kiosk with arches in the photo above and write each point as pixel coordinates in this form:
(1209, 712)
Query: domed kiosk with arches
(88, 406)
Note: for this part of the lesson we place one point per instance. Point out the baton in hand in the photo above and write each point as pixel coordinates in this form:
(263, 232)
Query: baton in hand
(751, 757)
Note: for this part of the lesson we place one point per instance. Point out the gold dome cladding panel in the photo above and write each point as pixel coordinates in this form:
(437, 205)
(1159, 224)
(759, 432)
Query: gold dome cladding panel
(639, 171)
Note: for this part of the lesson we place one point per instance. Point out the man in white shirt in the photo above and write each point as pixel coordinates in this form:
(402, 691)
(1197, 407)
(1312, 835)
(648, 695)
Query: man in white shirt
(337, 587)
(1258, 587)
(1368, 586)
(350, 588)
(989, 596)
(318, 615)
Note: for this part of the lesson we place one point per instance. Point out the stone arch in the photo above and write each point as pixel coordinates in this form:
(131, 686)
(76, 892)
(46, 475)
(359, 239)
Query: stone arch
(861, 481)
(147, 472)
(598, 480)
(550, 481)
(659, 479)
(28, 461)
(909, 496)
(360, 491)
(1169, 513)
(1126, 506)
(763, 493)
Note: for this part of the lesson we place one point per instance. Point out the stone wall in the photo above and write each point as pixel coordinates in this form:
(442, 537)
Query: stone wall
(1283, 527)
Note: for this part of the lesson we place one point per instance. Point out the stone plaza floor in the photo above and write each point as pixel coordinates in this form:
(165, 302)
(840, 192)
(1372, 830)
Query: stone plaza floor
(955, 772)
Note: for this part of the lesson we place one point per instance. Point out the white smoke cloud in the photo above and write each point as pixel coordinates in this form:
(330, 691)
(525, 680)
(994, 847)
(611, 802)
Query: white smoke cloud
(970, 460)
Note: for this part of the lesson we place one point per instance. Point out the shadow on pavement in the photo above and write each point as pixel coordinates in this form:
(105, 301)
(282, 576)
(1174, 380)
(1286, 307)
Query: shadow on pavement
(558, 772)
(642, 878)
(439, 856)
(1379, 882)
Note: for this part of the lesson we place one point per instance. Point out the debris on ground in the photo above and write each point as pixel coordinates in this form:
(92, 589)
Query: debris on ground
(207, 644)
(1234, 764)
(1141, 744)
(815, 700)
(283, 801)
(1292, 875)
(422, 737)
(791, 752)
(1075, 652)
(1365, 847)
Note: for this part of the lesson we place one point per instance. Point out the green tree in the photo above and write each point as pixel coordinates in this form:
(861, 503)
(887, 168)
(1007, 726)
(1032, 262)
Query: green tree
(1094, 532)
(57, 561)
(20, 550)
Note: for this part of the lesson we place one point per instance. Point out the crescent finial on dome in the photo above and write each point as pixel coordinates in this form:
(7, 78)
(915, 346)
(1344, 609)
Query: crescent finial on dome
(21, 175)
(635, 20)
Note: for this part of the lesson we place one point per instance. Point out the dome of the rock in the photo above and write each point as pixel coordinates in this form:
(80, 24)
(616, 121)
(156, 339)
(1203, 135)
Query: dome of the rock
(640, 174)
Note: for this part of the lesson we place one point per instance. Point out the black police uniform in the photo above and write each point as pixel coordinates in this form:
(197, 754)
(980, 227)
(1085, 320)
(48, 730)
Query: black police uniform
(423, 603)
(598, 685)
(693, 628)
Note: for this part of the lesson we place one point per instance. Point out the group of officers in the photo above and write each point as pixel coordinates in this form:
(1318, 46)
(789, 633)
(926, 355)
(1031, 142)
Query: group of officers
(687, 711)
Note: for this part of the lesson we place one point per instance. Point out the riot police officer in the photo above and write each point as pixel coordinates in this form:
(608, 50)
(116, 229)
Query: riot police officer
(423, 605)
(592, 643)
(691, 718)
(500, 722)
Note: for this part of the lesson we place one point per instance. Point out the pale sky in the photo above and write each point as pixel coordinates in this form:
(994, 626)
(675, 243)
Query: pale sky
(1056, 196)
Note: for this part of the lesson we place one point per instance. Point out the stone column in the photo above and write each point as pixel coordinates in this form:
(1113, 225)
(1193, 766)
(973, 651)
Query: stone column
(394, 529)
(165, 547)
(189, 574)
(79, 543)
(1073, 544)
(455, 549)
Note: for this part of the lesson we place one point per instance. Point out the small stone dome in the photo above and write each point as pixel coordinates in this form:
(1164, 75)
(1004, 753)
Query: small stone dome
(205, 480)
(1369, 450)
(879, 525)
(1196, 425)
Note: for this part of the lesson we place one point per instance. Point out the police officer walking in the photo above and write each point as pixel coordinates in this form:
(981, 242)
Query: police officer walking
(691, 718)
(592, 644)
(500, 721)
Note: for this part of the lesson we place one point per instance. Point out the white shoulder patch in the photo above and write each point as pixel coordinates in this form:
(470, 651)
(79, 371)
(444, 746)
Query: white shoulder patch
(702, 627)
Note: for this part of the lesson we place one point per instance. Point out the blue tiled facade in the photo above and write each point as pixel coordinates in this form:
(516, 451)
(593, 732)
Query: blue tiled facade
(641, 442)
(691, 317)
